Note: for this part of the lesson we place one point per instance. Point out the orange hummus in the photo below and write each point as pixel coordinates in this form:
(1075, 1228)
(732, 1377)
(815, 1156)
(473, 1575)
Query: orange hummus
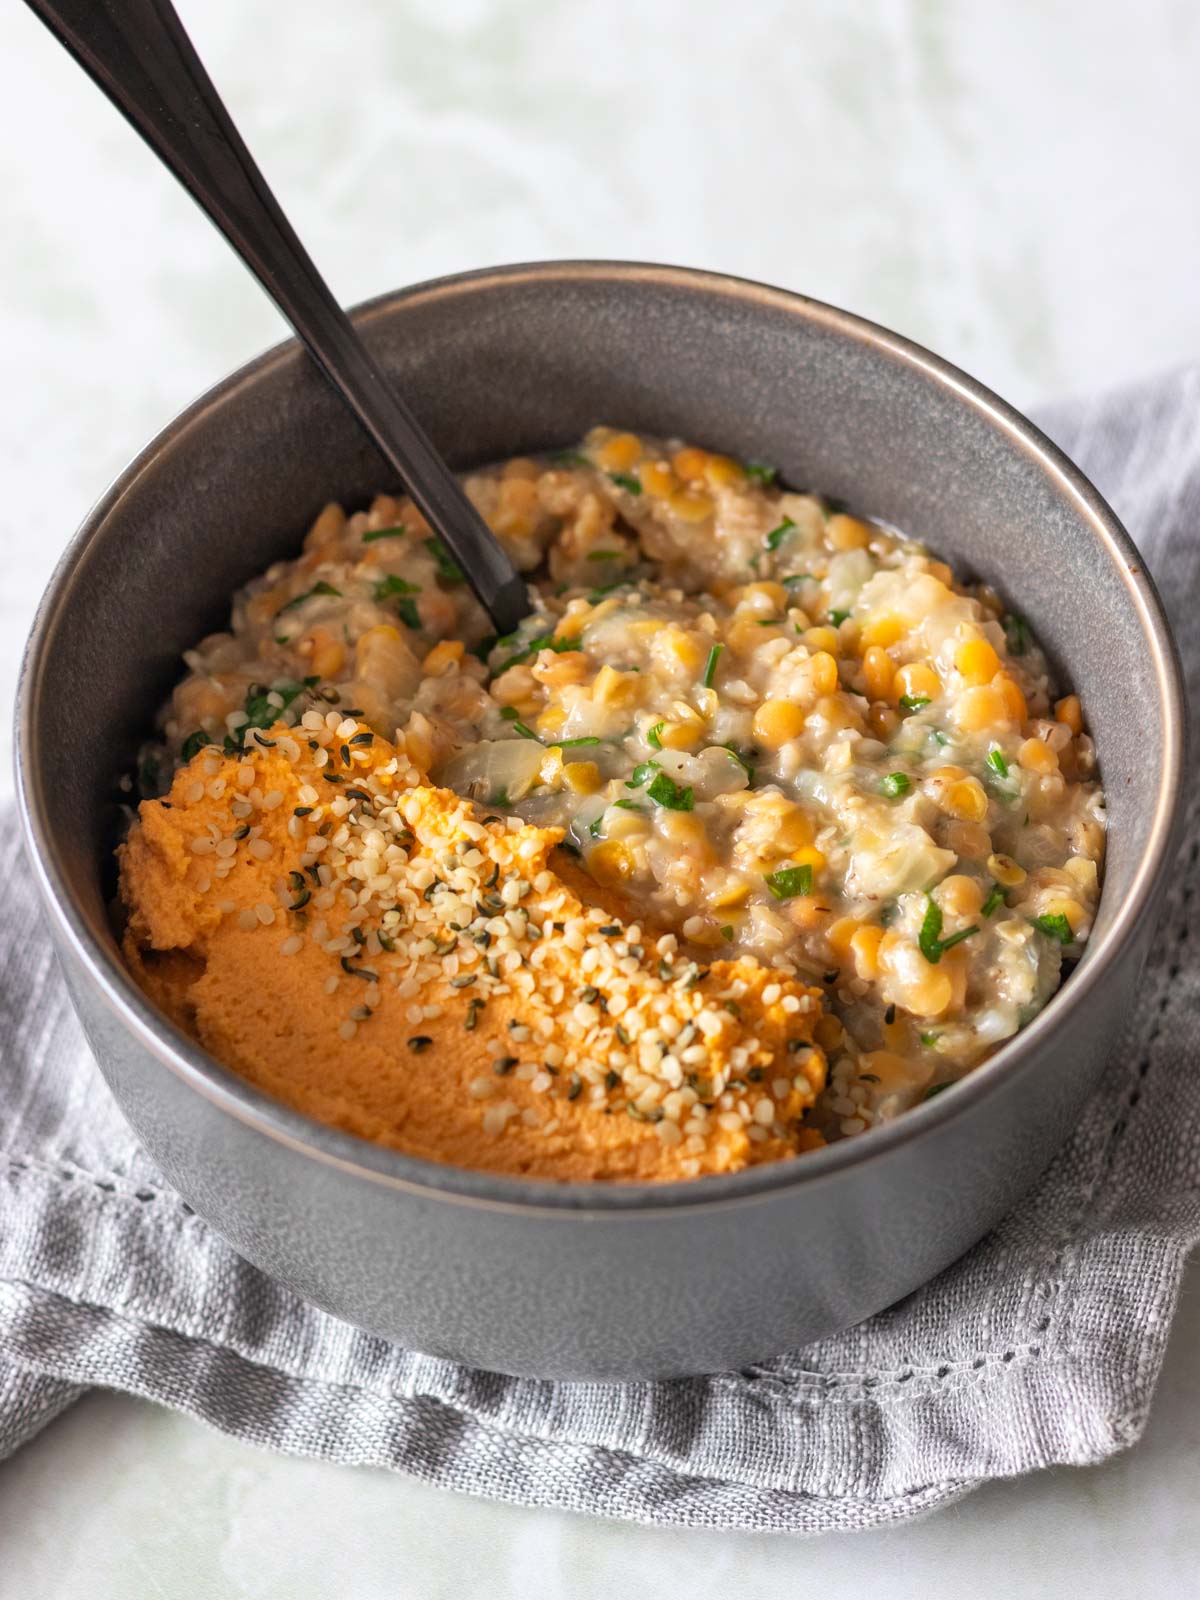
(393, 960)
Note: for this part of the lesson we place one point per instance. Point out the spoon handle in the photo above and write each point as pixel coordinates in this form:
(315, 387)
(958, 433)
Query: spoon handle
(140, 56)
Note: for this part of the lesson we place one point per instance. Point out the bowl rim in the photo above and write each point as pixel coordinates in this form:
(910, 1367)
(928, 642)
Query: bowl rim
(395, 1169)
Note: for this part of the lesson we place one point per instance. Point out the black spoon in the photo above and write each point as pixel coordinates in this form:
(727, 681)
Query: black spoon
(138, 53)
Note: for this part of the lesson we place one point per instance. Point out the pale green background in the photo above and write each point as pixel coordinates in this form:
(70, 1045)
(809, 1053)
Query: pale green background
(1013, 184)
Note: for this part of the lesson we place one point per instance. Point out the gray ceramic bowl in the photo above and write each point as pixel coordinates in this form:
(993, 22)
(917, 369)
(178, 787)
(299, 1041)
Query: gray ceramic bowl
(519, 1275)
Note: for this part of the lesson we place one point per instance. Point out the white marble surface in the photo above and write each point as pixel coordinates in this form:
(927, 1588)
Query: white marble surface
(157, 1505)
(1012, 185)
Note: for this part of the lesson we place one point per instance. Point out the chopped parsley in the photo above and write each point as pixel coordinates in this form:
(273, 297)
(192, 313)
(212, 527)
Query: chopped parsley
(653, 736)
(641, 774)
(573, 744)
(193, 744)
(837, 617)
(741, 761)
(933, 946)
(896, 784)
(994, 900)
(759, 473)
(626, 481)
(997, 761)
(317, 588)
(569, 458)
(778, 534)
(1055, 926)
(448, 570)
(393, 585)
(914, 702)
(262, 710)
(790, 881)
(710, 666)
(666, 792)
(543, 641)
(385, 533)
(406, 608)
(509, 713)
(1016, 633)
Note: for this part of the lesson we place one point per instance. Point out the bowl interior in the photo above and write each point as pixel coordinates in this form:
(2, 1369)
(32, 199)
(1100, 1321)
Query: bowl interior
(525, 359)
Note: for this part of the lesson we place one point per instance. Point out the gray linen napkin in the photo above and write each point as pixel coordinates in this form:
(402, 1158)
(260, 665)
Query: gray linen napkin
(1041, 1346)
